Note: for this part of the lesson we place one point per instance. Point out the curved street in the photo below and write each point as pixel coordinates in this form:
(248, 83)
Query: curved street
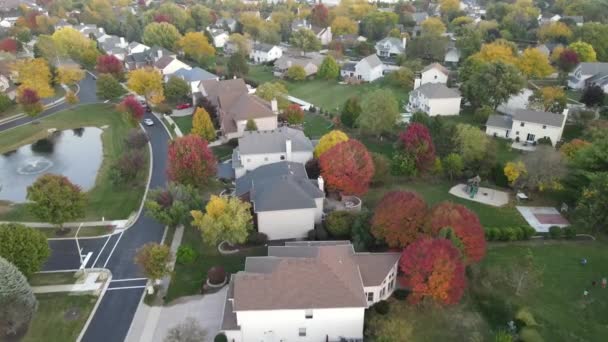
(113, 317)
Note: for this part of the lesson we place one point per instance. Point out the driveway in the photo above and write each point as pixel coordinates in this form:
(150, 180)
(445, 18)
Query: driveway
(207, 310)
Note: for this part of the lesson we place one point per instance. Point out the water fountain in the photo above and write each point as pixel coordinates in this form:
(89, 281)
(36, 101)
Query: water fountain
(34, 166)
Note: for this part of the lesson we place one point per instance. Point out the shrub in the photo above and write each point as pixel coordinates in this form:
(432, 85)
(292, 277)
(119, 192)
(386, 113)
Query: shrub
(401, 294)
(403, 164)
(136, 139)
(24, 247)
(338, 223)
(528, 232)
(320, 233)
(544, 141)
(381, 168)
(528, 334)
(491, 234)
(555, 232)
(382, 307)
(257, 238)
(185, 255)
(569, 232)
(221, 337)
(508, 234)
(216, 275)
(312, 235)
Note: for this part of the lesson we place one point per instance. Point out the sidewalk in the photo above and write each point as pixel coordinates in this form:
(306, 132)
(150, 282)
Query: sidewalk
(119, 224)
(92, 283)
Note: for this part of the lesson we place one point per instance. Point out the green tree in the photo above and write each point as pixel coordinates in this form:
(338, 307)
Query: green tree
(591, 207)
(377, 24)
(296, 73)
(225, 219)
(338, 223)
(202, 125)
(305, 40)
(5, 102)
(54, 199)
(350, 112)
(469, 42)
(237, 65)
(584, 51)
(433, 26)
(251, 125)
(274, 90)
(108, 88)
(428, 47)
(17, 301)
(402, 77)
(490, 83)
(25, 247)
(161, 34)
(329, 69)
(154, 258)
(471, 143)
(594, 34)
(452, 165)
(171, 206)
(176, 90)
(380, 112)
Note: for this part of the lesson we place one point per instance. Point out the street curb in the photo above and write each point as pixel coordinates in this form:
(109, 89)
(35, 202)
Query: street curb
(162, 122)
(92, 314)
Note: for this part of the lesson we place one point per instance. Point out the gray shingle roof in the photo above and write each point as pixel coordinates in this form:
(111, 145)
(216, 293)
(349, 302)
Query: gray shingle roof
(394, 42)
(194, 74)
(262, 47)
(349, 66)
(437, 66)
(591, 68)
(372, 60)
(254, 142)
(437, 91)
(542, 118)
(501, 121)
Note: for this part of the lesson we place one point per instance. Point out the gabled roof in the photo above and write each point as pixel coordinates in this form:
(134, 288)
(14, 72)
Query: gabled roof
(257, 142)
(372, 60)
(500, 121)
(194, 75)
(163, 62)
(437, 66)
(419, 17)
(592, 68)
(542, 118)
(393, 42)
(437, 91)
(349, 66)
(262, 47)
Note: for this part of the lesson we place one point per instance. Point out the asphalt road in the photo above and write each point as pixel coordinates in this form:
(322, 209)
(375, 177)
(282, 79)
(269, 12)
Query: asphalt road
(113, 318)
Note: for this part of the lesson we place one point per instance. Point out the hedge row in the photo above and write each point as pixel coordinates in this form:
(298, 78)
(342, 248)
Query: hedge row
(556, 232)
(509, 233)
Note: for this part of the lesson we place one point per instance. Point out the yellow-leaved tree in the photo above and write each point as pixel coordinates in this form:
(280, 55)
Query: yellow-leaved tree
(69, 74)
(433, 26)
(344, 25)
(498, 51)
(534, 64)
(555, 31)
(147, 83)
(34, 74)
(225, 219)
(202, 125)
(514, 170)
(196, 46)
(584, 51)
(328, 141)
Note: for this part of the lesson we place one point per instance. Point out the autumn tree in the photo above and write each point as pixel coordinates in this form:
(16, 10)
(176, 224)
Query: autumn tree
(534, 64)
(375, 24)
(154, 259)
(549, 99)
(131, 109)
(242, 43)
(71, 98)
(347, 168)
(34, 74)
(449, 8)
(570, 148)
(568, 60)
(108, 88)
(491, 84)
(417, 141)
(380, 112)
(344, 25)
(23, 246)
(584, 51)
(202, 125)
(30, 102)
(69, 42)
(432, 268)
(171, 206)
(148, 83)
(196, 47)
(54, 199)
(399, 218)
(17, 301)
(293, 114)
(329, 69)
(328, 141)
(466, 227)
(514, 171)
(433, 26)
(554, 32)
(319, 16)
(296, 73)
(350, 112)
(452, 165)
(9, 45)
(191, 162)
(274, 91)
(305, 40)
(109, 64)
(69, 74)
(225, 219)
(402, 77)
(497, 51)
(161, 34)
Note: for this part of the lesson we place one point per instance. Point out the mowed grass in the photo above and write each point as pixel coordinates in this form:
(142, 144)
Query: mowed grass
(53, 278)
(60, 317)
(184, 123)
(315, 125)
(105, 199)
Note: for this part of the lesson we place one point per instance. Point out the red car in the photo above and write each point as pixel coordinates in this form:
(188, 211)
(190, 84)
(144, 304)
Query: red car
(183, 106)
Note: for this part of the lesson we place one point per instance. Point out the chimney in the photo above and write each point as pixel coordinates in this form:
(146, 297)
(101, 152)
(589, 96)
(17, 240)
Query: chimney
(122, 41)
(159, 53)
(274, 106)
(417, 82)
(403, 41)
(288, 149)
(321, 183)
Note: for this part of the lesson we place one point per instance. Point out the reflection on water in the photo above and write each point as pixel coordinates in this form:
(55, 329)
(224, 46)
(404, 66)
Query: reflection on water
(76, 154)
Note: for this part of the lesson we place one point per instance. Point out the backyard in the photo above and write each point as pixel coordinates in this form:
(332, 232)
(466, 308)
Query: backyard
(105, 199)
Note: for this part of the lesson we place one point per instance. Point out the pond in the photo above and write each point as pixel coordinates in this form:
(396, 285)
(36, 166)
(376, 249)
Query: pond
(76, 154)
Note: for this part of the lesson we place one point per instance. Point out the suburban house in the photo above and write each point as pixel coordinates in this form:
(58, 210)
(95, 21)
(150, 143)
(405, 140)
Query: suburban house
(432, 73)
(135, 47)
(236, 106)
(286, 204)
(368, 69)
(194, 77)
(228, 24)
(585, 71)
(7, 85)
(310, 62)
(419, 18)
(307, 291)
(263, 53)
(167, 65)
(323, 33)
(452, 53)
(146, 58)
(257, 148)
(434, 99)
(527, 126)
(90, 30)
(114, 45)
(390, 46)
(219, 36)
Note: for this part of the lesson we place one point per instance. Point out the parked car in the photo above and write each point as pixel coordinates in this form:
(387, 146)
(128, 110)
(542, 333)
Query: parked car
(183, 106)
(148, 122)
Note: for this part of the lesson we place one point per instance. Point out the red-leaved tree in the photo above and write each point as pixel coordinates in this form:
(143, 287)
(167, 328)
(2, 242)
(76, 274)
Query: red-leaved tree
(432, 268)
(191, 162)
(417, 141)
(163, 18)
(109, 64)
(568, 60)
(347, 168)
(320, 16)
(9, 45)
(293, 114)
(30, 102)
(465, 225)
(399, 218)
(132, 108)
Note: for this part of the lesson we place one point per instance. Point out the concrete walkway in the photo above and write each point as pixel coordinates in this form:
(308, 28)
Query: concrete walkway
(93, 282)
(119, 224)
(487, 196)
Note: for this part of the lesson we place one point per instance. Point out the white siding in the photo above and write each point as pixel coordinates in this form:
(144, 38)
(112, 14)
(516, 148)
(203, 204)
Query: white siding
(175, 65)
(286, 224)
(539, 131)
(253, 161)
(450, 106)
(259, 56)
(433, 76)
(498, 132)
(285, 325)
(220, 40)
(263, 124)
(384, 290)
(319, 210)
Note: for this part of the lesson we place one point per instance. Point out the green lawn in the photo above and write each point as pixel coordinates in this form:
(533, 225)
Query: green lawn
(184, 123)
(53, 278)
(60, 317)
(16, 109)
(187, 279)
(315, 125)
(222, 152)
(105, 199)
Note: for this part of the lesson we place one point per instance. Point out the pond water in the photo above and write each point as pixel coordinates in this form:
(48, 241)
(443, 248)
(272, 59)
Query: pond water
(76, 154)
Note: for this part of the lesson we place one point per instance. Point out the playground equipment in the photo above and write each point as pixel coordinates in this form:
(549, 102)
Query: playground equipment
(472, 186)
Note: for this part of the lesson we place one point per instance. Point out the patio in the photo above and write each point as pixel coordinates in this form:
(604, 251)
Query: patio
(542, 218)
(524, 146)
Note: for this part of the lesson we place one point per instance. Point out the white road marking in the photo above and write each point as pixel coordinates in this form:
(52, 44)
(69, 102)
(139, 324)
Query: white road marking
(101, 250)
(126, 288)
(112, 251)
(129, 279)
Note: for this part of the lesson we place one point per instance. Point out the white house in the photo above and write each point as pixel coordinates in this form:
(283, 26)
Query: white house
(168, 65)
(435, 99)
(220, 37)
(323, 34)
(527, 126)
(257, 148)
(585, 71)
(135, 47)
(310, 62)
(432, 73)
(390, 46)
(263, 53)
(452, 55)
(285, 202)
(368, 69)
(307, 291)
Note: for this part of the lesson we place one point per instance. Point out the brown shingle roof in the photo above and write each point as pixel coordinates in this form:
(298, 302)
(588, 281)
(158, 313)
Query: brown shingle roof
(375, 267)
(437, 66)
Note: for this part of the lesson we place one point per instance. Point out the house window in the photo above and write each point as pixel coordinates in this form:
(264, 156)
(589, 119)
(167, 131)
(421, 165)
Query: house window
(544, 126)
(517, 133)
(522, 124)
(302, 332)
(382, 292)
(370, 296)
(308, 314)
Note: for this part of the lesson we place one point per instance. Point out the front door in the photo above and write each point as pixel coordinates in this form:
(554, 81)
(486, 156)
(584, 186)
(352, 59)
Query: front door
(507, 133)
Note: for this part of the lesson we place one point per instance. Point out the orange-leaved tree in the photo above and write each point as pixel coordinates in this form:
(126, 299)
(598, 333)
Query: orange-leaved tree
(399, 218)
(347, 168)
